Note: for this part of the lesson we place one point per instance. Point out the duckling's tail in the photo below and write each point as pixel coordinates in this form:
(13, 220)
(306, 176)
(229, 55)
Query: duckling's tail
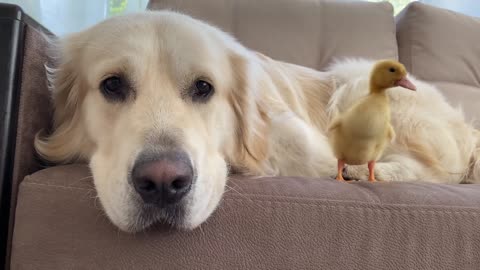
(475, 164)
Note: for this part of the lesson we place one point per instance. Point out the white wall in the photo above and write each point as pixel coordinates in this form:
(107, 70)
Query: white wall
(65, 16)
(469, 7)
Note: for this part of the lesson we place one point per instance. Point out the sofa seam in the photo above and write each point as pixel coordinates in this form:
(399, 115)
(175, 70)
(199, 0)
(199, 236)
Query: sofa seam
(249, 196)
(378, 208)
(54, 186)
(308, 200)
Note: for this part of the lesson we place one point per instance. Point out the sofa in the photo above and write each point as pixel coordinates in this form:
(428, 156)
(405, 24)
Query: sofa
(51, 218)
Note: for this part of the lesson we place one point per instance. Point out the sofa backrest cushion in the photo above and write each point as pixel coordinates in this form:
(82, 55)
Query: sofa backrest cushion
(443, 47)
(439, 45)
(309, 32)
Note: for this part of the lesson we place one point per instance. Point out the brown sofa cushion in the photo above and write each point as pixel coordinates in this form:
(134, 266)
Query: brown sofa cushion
(439, 45)
(266, 223)
(308, 32)
(35, 104)
(464, 96)
(34, 112)
(443, 47)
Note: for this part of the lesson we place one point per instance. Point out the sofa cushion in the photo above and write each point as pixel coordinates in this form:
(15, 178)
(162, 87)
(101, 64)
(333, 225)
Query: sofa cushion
(308, 32)
(262, 223)
(464, 96)
(439, 45)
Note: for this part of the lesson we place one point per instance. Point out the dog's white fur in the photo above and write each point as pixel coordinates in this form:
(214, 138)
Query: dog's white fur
(265, 118)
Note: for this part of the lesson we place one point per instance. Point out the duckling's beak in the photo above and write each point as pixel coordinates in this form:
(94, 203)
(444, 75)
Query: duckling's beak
(405, 83)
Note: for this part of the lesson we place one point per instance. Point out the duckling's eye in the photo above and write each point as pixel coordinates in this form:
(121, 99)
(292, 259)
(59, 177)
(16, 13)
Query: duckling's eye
(392, 70)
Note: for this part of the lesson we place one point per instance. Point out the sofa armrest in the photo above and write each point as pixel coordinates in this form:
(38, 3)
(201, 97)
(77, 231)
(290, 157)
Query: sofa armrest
(21, 51)
(261, 223)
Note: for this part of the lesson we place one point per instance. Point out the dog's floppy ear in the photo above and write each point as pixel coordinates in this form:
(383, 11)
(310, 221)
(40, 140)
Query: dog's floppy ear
(252, 121)
(67, 141)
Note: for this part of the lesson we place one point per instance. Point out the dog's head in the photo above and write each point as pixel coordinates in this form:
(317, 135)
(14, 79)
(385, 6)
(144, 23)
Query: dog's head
(159, 104)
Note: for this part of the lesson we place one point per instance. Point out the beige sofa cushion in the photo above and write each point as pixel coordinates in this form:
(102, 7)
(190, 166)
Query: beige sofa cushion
(439, 45)
(443, 47)
(464, 96)
(308, 32)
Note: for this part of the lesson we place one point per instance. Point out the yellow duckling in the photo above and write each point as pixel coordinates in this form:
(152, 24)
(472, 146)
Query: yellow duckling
(361, 133)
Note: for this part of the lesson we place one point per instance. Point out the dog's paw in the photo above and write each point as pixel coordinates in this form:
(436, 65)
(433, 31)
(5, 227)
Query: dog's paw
(353, 172)
(359, 173)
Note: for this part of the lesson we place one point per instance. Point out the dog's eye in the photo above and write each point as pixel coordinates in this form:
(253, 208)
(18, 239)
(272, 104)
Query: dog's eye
(114, 88)
(202, 90)
(392, 70)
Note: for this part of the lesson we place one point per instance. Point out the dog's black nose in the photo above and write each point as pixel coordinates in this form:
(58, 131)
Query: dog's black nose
(163, 179)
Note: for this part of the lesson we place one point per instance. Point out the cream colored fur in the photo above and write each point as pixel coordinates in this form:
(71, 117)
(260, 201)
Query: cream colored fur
(265, 118)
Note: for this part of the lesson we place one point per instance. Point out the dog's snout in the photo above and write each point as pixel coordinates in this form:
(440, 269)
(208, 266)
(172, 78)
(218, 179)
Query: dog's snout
(164, 179)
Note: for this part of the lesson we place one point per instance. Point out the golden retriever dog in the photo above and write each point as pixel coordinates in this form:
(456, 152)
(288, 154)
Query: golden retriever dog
(163, 106)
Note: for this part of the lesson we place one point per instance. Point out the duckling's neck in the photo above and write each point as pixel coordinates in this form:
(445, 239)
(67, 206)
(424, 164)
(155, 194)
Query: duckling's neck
(377, 90)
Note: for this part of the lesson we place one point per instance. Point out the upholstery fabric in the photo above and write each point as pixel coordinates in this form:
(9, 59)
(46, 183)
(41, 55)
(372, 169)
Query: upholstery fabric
(442, 47)
(464, 96)
(34, 112)
(262, 223)
(35, 106)
(311, 33)
(439, 45)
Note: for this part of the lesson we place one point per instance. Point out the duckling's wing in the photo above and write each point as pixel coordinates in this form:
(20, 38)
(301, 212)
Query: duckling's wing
(391, 133)
(336, 123)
